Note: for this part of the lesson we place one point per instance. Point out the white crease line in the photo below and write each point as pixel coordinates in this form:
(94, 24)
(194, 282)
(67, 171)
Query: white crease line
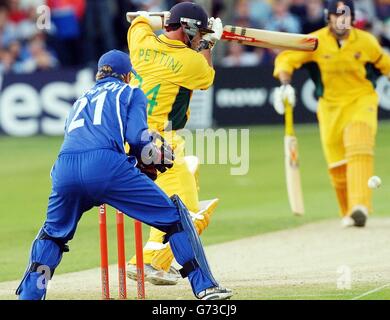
(371, 291)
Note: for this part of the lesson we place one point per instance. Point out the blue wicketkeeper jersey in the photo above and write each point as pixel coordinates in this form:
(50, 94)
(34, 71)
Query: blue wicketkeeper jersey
(107, 116)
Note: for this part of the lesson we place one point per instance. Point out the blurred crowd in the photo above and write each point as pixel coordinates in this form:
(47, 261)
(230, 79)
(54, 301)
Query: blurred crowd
(77, 32)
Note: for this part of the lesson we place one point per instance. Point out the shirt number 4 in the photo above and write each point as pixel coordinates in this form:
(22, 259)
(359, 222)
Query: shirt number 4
(151, 95)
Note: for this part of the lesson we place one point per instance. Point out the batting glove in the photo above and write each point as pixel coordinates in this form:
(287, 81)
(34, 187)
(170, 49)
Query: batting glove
(285, 93)
(143, 14)
(209, 39)
(200, 220)
(156, 22)
(197, 216)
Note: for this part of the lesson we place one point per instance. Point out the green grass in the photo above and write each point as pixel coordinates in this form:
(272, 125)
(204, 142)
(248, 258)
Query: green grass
(366, 291)
(358, 291)
(314, 292)
(252, 204)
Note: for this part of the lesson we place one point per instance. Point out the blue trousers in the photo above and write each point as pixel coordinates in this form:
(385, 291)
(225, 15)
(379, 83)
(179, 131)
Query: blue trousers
(84, 180)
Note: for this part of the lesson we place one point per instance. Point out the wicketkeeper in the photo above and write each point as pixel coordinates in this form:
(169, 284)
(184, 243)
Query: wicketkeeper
(344, 68)
(92, 169)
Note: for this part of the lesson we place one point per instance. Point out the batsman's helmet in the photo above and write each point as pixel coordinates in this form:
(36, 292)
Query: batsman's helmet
(340, 7)
(191, 16)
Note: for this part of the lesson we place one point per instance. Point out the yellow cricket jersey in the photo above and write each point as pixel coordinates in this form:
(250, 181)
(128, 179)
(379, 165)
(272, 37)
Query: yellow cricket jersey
(168, 72)
(341, 72)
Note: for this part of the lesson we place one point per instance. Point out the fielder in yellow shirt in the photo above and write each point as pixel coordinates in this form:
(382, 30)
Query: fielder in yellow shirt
(344, 69)
(169, 68)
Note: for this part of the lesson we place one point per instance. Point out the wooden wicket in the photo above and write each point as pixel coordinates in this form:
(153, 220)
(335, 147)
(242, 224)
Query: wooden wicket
(120, 229)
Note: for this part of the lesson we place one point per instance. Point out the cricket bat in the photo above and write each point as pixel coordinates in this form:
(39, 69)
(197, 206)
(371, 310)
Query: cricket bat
(293, 177)
(258, 37)
(270, 39)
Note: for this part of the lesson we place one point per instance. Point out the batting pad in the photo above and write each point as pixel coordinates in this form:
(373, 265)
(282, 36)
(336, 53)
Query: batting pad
(192, 163)
(338, 176)
(359, 148)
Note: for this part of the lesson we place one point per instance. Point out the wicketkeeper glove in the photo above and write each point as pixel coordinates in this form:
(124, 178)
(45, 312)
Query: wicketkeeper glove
(209, 39)
(282, 94)
(156, 156)
(149, 170)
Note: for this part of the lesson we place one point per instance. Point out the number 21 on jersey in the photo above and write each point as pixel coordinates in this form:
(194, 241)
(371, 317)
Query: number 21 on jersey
(77, 121)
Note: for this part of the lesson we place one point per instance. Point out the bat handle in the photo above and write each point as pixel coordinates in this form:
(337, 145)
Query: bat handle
(289, 119)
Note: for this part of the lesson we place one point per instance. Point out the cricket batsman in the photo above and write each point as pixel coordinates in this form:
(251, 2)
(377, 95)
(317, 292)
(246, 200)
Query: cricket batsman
(93, 168)
(170, 67)
(344, 68)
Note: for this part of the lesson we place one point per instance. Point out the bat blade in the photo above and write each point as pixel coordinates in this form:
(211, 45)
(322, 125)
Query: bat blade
(269, 39)
(293, 177)
(130, 16)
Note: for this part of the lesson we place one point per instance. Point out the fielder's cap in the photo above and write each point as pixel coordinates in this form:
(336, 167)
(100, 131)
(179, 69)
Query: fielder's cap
(188, 10)
(338, 7)
(118, 61)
